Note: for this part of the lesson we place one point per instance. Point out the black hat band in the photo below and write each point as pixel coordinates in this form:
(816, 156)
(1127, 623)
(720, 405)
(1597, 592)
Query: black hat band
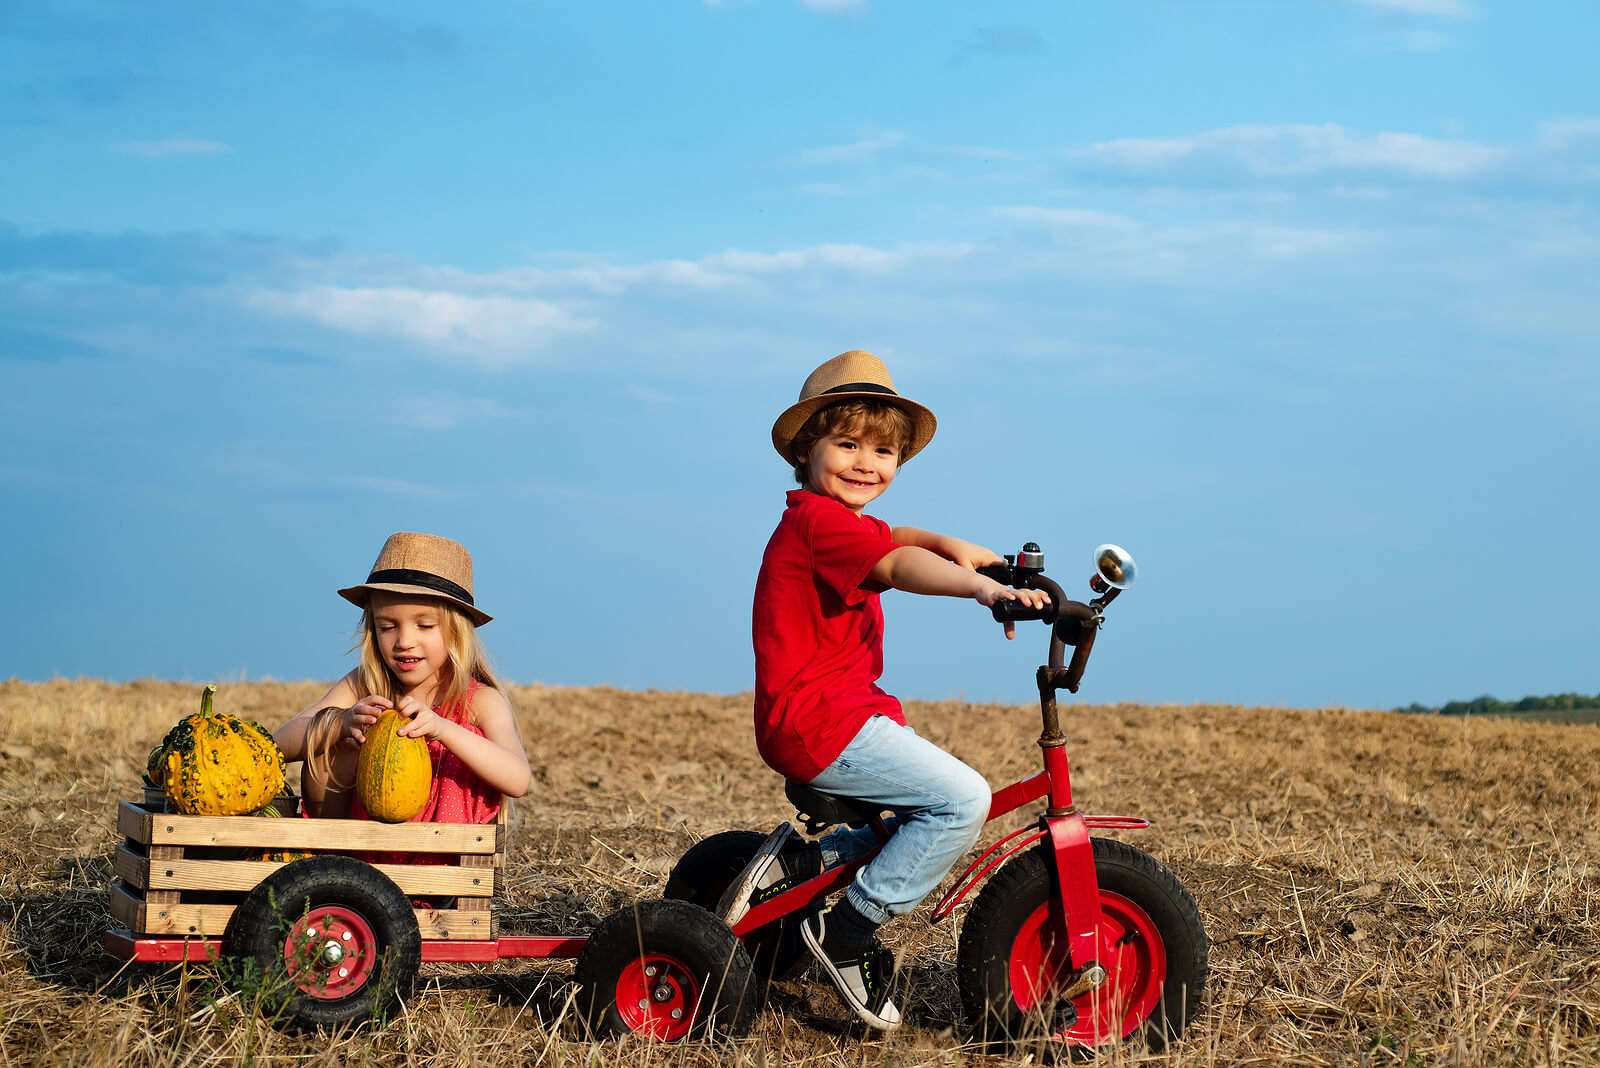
(409, 577)
(860, 387)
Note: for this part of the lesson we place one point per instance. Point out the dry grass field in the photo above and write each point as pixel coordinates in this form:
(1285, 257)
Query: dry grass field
(1379, 889)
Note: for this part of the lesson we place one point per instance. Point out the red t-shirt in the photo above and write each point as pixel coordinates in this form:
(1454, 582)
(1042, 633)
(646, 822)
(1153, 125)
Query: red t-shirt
(818, 633)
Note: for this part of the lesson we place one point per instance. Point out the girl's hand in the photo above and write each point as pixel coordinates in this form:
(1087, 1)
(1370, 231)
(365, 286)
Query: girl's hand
(361, 715)
(422, 721)
(992, 591)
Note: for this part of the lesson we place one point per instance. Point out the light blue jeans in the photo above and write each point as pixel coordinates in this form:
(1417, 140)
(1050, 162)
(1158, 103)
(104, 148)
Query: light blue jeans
(940, 806)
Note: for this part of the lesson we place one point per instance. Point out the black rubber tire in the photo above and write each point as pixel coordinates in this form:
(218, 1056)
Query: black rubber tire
(709, 972)
(704, 872)
(389, 944)
(1008, 925)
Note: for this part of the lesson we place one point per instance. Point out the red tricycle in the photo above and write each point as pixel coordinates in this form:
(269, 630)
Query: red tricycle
(1081, 940)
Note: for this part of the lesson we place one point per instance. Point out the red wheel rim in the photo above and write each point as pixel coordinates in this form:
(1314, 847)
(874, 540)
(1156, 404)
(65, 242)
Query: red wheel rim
(1130, 949)
(657, 997)
(331, 952)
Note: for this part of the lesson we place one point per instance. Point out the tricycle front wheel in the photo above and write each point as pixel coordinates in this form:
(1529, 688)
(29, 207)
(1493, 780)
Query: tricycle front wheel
(1014, 964)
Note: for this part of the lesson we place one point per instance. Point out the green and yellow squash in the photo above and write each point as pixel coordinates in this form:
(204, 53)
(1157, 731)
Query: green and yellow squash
(393, 774)
(213, 764)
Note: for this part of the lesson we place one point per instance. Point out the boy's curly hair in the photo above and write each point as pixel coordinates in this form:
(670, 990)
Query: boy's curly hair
(879, 420)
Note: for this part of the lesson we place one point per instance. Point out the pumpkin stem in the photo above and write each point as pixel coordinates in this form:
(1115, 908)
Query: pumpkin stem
(205, 699)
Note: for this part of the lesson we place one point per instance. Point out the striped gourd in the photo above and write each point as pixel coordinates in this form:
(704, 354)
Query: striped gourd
(393, 774)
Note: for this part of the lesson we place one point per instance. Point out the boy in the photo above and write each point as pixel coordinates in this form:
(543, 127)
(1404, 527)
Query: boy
(818, 631)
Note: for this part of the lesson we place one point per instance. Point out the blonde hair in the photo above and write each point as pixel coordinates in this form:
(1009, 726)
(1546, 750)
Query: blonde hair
(875, 419)
(466, 660)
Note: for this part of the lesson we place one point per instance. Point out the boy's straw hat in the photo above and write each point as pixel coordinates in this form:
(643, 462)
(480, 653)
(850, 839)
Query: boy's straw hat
(853, 375)
(424, 564)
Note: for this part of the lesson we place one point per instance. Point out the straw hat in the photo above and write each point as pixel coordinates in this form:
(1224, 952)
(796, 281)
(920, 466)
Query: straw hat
(853, 375)
(424, 564)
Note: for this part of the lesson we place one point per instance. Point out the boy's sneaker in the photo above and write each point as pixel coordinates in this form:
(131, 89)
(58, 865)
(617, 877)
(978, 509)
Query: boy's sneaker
(862, 975)
(763, 878)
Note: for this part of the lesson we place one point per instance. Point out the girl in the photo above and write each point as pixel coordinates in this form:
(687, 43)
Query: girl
(420, 655)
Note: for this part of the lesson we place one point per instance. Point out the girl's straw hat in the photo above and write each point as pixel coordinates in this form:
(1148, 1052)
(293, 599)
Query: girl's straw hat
(424, 564)
(853, 375)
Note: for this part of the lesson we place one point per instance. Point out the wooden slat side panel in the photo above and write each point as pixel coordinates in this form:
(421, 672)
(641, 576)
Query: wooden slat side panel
(210, 921)
(147, 918)
(453, 923)
(132, 868)
(160, 855)
(134, 822)
(330, 835)
(244, 875)
(483, 866)
(439, 879)
(127, 909)
(161, 876)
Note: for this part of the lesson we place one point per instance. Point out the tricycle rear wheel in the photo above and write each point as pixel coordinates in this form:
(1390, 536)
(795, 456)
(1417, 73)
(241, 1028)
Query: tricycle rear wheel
(664, 970)
(704, 872)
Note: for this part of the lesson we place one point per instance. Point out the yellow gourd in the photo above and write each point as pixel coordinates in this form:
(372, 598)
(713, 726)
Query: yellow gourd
(393, 774)
(214, 764)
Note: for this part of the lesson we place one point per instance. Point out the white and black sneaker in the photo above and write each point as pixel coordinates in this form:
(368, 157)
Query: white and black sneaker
(756, 882)
(862, 975)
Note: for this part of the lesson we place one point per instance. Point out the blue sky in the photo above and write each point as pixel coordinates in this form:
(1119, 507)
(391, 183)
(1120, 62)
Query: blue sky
(1294, 299)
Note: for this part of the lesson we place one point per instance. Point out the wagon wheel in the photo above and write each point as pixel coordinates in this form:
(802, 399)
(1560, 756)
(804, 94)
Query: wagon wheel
(334, 940)
(664, 970)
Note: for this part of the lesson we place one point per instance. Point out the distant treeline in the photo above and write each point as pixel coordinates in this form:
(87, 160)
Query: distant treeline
(1490, 706)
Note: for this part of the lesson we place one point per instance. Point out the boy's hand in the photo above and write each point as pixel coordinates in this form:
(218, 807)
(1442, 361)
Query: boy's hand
(993, 591)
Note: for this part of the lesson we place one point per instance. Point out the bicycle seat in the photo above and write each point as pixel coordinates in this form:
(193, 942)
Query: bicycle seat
(819, 811)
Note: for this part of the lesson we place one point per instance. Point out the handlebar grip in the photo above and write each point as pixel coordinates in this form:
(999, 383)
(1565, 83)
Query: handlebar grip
(1001, 573)
(1016, 611)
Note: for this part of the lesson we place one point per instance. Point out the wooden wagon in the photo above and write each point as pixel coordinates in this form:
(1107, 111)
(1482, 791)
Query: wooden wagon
(339, 936)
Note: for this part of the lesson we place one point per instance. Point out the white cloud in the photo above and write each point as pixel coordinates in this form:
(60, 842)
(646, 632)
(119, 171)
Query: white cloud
(490, 330)
(1106, 244)
(978, 152)
(495, 319)
(1299, 149)
(733, 268)
(178, 146)
(1409, 39)
(440, 411)
(1560, 135)
(1085, 218)
(1451, 8)
(858, 150)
